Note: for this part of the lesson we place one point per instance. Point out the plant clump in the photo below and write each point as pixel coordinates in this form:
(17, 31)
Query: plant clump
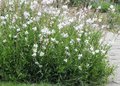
(40, 43)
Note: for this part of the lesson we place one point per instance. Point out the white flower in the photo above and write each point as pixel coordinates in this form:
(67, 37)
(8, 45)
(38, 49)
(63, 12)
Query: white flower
(72, 20)
(45, 31)
(34, 28)
(26, 38)
(53, 31)
(47, 1)
(26, 14)
(67, 53)
(35, 45)
(44, 47)
(26, 33)
(93, 53)
(38, 64)
(86, 41)
(10, 35)
(90, 21)
(15, 36)
(65, 35)
(78, 39)
(65, 60)
(24, 25)
(2, 17)
(96, 51)
(34, 54)
(53, 39)
(87, 65)
(67, 48)
(65, 7)
(76, 50)
(18, 29)
(46, 41)
(81, 32)
(13, 20)
(95, 19)
(79, 27)
(3, 22)
(29, 22)
(99, 7)
(89, 7)
(91, 48)
(118, 32)
(42, 53)
(35, 50)
(95, 25)
(79, 56)
(103, 51)
(60, 26)
(113, 10)
(4, 41)
(72, 41)
(100, 20)
(79, 67)
(34, 5)
(111, 6)
(39, 13)
(57, 42)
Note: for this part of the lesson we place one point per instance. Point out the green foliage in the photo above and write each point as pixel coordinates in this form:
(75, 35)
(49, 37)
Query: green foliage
(24, 84)
(118, 8)
(104, 6)
(113, 20)
(79, 2)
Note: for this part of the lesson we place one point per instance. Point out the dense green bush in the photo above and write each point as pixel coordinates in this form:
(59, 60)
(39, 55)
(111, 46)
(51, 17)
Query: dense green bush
(96, 4)
(39, 46)
(113, 20)
(102, 6)
(118, 8)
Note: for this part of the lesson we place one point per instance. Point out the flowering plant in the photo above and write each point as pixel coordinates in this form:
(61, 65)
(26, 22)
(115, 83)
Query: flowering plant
(46, 44)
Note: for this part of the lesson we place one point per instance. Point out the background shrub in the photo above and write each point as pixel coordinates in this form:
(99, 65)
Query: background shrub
(118, 8)
(103, 6)
(80, 2)
(113, 20)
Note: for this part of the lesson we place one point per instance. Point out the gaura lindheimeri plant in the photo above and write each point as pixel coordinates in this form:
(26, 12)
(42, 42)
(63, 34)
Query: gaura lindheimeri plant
(41, 43)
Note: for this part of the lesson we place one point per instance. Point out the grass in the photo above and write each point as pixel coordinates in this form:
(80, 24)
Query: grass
(23, 84)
